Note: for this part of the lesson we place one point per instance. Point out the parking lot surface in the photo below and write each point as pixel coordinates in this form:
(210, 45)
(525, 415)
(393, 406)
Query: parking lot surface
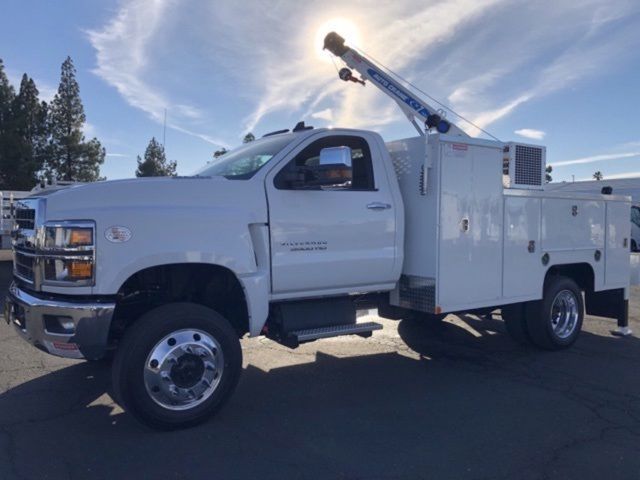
(455, 401)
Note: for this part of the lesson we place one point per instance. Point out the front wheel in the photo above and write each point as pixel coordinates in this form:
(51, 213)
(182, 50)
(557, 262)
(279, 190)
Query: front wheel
(176, 366)
(554, 322)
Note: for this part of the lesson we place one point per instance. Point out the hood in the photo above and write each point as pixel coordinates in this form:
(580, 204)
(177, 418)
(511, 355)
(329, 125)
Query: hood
(86, 200)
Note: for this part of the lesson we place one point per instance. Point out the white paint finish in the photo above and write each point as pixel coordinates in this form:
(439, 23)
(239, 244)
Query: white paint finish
(172, 220)
(562, 230)
(635, 269)
(328, 239)
(470, 261)
(421, 214)
(617, 255)
(521, 226)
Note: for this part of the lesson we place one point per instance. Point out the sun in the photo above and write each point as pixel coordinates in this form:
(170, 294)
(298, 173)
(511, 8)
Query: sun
(343, 27)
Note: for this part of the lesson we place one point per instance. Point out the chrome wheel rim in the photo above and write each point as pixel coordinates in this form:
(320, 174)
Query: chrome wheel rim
(564, 314)
(183, 369)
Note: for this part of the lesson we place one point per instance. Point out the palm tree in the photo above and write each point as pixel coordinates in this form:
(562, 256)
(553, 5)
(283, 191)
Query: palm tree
(598, 175)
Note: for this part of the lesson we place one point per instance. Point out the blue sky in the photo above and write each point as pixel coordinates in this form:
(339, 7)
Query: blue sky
(561, 73)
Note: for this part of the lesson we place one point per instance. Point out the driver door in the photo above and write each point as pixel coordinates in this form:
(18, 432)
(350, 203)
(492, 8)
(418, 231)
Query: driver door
(331, 237)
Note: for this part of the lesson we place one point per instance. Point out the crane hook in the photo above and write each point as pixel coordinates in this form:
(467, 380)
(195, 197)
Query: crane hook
(347, 75)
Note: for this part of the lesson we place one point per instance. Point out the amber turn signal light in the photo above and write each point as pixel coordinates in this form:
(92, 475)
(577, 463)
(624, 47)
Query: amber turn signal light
(80, 236)
(80, 270)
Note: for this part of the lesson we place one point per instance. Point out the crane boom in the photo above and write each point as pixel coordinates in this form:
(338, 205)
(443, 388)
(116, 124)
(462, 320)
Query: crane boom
(414, 108)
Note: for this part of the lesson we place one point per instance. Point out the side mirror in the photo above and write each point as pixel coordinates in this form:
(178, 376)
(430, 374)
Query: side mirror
(335, 156)
(333, 168)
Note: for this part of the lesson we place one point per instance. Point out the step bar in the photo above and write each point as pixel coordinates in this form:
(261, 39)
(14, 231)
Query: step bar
(362, 329)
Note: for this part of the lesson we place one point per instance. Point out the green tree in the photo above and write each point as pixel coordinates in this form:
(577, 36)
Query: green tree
(249, 137)
(598, 175)
(7, 96)
(26, 139)
(155, 162)
(219, 153)
(70, 157)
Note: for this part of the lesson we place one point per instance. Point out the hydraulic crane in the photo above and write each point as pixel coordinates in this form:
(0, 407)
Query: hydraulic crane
(414, 108)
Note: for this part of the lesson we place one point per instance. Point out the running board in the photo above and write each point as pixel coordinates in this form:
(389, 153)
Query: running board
(363, 329)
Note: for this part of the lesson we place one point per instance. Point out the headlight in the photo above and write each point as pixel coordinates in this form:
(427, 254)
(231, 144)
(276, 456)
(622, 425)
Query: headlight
(67, 253)
(68, 269)
(68, 238)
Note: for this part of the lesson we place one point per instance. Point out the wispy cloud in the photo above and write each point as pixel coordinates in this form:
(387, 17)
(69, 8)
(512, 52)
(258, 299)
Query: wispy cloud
(531, 133)
(537, 62)
(596, 158)
(265, 68)
(326, 114)
(618, 176)
(117, 155)
(123, 52)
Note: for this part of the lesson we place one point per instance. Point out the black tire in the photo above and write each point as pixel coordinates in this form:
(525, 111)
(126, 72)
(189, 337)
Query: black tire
(423, 317)
(515, 322)
(540, 319)
(144, 335)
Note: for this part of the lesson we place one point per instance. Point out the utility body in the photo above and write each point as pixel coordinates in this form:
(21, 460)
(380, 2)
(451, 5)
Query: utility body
(290, 235)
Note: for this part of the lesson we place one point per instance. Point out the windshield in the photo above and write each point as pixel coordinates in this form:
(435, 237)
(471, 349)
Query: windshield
(243, 162)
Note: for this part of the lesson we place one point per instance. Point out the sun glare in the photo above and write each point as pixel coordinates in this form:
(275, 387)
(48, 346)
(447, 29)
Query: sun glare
(343, 27)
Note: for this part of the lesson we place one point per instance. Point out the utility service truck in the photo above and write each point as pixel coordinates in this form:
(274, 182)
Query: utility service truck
(290, 235)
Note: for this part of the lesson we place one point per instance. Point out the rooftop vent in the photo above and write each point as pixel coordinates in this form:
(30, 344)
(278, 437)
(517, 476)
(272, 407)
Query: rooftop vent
(524, 166)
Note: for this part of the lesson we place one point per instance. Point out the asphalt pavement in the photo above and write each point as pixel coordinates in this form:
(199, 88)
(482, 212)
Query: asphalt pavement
(455, 401)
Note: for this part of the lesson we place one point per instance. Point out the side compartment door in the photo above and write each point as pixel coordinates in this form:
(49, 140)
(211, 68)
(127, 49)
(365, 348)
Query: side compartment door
(470, 258)
(523, 272)
(336, 232)
(617, 255)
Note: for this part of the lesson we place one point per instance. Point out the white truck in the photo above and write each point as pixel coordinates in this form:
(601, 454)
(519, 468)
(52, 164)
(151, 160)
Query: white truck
(290, 235)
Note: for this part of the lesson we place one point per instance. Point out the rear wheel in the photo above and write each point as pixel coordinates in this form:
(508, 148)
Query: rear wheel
(176, 366)
(554, 322)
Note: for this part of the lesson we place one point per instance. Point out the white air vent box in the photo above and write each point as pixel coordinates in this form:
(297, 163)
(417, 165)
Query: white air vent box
(524, 166)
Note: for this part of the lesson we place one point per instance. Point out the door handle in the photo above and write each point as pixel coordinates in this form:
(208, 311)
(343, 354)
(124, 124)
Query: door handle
(378, 206)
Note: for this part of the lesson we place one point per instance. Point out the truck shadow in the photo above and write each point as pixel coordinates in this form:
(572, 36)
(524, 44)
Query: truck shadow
(454, 387)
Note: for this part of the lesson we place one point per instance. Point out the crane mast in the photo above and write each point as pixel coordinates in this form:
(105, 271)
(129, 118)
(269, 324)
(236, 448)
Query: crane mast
(414, 108)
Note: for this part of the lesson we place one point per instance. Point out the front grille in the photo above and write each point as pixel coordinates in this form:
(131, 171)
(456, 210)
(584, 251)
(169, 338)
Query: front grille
(23, 266)
(26, 218)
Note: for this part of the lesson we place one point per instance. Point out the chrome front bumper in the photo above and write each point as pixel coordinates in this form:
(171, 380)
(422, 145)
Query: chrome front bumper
(60, 327)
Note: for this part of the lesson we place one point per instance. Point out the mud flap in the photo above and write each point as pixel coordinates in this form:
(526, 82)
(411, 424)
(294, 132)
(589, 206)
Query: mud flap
(610, 304)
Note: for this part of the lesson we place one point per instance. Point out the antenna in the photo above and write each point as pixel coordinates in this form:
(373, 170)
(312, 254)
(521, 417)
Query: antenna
(164, 131)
